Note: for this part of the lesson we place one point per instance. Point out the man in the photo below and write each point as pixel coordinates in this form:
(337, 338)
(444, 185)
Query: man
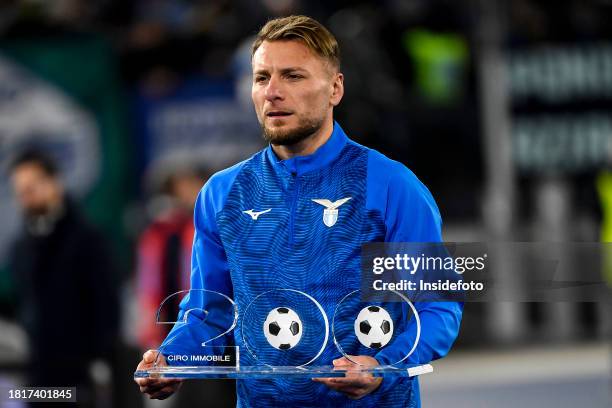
(164, 252)
(296, 85)
(64, 276)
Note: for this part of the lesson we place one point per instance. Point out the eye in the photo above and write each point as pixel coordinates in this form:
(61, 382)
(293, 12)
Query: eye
(259, 79)
(295, 76)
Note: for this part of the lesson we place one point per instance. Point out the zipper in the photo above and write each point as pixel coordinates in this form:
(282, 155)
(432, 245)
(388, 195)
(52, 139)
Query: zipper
(296, 192)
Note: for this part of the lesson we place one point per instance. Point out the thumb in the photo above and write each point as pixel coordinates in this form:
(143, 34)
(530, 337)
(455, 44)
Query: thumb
(342, 361)
(149, 356)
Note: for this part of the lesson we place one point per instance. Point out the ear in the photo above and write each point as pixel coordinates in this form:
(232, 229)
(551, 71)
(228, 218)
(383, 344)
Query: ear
(337, 89)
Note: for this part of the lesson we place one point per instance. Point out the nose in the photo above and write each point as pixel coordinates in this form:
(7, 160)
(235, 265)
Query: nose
(273, 90)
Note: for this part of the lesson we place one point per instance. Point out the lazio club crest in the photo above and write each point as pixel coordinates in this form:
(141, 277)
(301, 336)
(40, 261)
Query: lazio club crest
(330, 213)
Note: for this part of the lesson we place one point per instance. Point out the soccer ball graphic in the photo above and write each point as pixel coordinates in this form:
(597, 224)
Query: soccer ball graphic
(283, 328)
(374, 327)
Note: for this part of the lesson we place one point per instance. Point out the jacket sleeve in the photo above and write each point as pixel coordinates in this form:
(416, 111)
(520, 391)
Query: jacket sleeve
(209, 270)
(411, 215)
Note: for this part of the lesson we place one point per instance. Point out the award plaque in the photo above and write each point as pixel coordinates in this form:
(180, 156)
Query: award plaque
(283, 333)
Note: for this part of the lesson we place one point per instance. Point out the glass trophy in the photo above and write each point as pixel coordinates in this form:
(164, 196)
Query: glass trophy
(199, 344)
(283, 333)
(365, 326)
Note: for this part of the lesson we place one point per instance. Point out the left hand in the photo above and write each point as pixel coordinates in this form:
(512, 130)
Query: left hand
(354, 385)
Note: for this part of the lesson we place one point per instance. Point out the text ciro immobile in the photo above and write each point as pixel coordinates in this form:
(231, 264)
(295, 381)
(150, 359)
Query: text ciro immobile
(197, 357)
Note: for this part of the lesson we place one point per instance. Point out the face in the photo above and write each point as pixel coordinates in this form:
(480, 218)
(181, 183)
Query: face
(37, 193)
(294, 91)
(185, 189)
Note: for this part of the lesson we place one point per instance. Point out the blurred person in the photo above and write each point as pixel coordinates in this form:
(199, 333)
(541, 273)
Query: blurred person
(164, 249)
(164, 268)
(65, 281)
(273, 200)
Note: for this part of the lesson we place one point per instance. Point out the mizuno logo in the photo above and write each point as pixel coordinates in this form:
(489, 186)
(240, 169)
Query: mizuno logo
(255, 214)
(330, 214)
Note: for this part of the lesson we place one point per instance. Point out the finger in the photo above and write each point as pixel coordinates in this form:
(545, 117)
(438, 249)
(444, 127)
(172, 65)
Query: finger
(150, 389)
(169, 389)
(357, 376)
(330, 379)
(153, 389)
(163, 382)
(143, 365)
(148, 357)
(165, 392)
(354, 395)
(353, 382)
(160, 395)
(351, 371)
(152, 356)
(329, 382)
(142, 382)
(150, 381)
(150, 384)
(337, 382)
(341, 362)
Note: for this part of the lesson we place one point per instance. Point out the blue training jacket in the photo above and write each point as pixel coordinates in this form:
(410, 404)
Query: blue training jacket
(291, 247)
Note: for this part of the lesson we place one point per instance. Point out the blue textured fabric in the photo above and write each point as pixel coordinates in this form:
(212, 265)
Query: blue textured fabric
(291, 247)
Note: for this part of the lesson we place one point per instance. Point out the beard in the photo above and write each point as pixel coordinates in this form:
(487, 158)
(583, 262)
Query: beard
(288, 137)
(35, 211)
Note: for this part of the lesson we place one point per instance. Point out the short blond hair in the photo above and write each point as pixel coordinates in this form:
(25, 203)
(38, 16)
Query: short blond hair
(301, 28)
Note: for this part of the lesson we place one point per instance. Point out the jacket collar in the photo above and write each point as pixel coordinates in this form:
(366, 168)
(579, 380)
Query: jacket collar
(322, 157)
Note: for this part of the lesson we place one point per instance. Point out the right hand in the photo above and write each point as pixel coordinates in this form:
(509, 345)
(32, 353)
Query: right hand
(156, 388)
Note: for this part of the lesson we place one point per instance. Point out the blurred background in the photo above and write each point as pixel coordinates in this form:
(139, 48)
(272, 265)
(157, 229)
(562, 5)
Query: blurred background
(502, 108)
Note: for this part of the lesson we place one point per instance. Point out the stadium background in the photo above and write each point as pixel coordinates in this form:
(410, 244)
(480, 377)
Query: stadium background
(502, 108)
